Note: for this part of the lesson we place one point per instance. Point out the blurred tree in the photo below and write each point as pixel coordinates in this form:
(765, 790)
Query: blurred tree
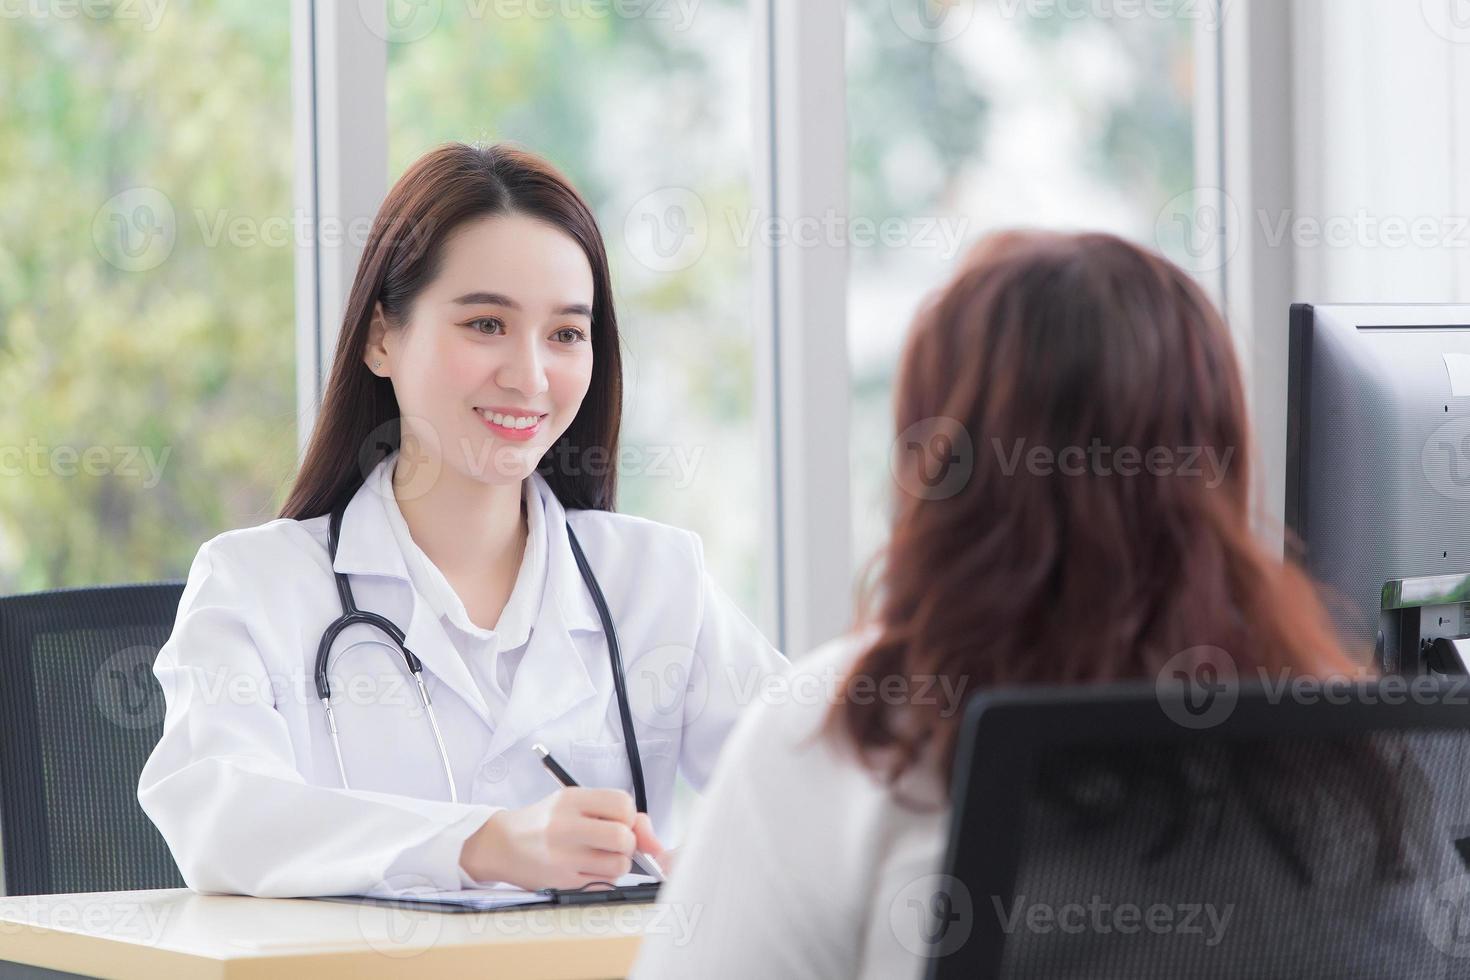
(996, 114)
(167, 371)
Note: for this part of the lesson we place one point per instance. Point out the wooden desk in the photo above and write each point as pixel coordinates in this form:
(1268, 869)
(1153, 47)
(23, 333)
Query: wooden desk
(177, 933)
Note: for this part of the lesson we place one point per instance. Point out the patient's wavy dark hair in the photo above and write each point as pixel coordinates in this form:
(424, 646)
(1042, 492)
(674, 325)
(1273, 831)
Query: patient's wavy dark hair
(1075, 572)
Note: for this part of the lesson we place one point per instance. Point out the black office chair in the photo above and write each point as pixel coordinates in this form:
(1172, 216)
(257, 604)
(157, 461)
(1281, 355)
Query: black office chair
(1256, 826)
(79, 712)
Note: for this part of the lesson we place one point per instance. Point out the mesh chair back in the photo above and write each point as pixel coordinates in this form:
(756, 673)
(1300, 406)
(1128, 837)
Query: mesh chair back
(1109, 832)
(80, 711)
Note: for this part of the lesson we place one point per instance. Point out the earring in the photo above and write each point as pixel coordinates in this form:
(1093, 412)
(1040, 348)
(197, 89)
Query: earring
(377, 364)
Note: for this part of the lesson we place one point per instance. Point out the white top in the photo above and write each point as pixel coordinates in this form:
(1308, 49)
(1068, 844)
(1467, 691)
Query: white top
(799, 862)
(244, 784)
(492, 667)
(492, 655)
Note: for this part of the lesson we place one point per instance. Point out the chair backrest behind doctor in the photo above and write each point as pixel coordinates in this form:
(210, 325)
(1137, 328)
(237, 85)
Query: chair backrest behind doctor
(79, 712)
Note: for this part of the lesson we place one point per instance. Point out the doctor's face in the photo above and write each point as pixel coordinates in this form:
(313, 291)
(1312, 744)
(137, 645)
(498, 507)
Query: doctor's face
(497, 354)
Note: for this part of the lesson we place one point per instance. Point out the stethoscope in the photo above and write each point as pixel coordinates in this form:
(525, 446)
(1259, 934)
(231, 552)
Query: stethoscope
(352, 616)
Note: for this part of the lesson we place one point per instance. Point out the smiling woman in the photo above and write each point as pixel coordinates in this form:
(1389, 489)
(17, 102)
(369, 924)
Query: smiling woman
(433, 328)
(456, 499)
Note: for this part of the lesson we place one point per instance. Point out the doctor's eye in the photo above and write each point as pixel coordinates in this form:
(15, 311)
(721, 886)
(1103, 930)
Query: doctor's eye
(569, 335)
(496, 325)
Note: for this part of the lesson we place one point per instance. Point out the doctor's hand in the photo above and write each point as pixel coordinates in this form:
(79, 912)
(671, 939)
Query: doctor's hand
(573, 837)
(648, 844)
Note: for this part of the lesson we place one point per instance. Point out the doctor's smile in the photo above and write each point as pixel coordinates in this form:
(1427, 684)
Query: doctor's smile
(520, 426)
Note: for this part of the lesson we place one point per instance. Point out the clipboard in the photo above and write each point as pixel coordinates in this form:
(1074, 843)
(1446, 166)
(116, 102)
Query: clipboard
(626, 894)
(619, 893)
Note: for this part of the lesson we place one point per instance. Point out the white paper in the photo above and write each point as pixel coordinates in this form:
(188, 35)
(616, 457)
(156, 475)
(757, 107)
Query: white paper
(475, 898)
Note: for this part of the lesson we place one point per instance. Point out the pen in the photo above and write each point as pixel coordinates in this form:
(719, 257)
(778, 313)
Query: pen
(649, 865)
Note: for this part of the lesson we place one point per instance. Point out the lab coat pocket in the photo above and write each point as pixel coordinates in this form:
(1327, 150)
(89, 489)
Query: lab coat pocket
(604, 764)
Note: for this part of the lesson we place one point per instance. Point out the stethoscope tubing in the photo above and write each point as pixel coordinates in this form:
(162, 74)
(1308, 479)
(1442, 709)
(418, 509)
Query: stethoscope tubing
(352, 616)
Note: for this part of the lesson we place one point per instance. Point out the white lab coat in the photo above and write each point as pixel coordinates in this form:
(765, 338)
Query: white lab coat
(244, 784)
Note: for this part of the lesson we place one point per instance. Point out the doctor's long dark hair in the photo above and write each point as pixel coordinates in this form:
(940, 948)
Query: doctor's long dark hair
(444, 189)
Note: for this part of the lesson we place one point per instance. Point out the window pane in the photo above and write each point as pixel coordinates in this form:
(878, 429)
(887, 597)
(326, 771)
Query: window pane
(646, 108)
(968, 116)
(146, 316)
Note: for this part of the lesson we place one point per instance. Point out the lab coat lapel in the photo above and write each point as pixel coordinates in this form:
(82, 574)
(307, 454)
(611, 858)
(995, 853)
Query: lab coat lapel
(428, 640)
(551, 680)
(368, 552)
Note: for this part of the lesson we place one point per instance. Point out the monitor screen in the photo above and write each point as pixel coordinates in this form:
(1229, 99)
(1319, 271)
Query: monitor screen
(1378, 458)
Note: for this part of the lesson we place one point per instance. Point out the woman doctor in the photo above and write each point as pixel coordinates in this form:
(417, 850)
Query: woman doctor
(466, 444)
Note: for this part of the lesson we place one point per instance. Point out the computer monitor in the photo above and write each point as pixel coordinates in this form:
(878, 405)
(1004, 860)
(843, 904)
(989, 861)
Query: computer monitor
(1378, 473)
